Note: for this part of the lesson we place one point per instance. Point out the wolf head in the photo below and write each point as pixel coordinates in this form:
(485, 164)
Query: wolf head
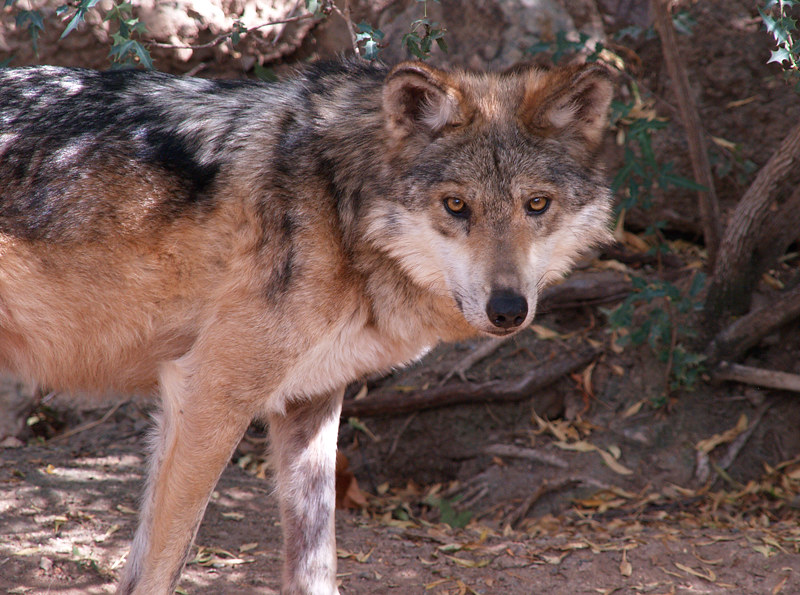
(501, 187)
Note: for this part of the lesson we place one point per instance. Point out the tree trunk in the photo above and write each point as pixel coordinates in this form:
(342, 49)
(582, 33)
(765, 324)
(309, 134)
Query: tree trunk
(758, 232)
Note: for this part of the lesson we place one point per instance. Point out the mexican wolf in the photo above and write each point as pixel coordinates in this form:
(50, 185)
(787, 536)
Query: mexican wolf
(245, 250)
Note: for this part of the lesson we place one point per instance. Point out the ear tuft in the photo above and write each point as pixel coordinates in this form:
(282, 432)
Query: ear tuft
(419, 98)
(570, 101)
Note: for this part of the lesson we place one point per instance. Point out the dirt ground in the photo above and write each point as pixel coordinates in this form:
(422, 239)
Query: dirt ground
(598, 483)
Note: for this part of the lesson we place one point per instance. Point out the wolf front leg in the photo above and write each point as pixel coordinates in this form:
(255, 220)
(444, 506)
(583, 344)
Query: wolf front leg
(195, 437)
(303, 443)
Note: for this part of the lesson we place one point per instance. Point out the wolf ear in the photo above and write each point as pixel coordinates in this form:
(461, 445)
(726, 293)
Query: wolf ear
(568, 102)
(420, 98)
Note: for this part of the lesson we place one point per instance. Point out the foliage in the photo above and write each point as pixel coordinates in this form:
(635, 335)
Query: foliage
(660, 328)
(423, 33)
(780, 24)
(447, 512)
(562, 46)
(126, 51)
(371, 38)
(641, 171)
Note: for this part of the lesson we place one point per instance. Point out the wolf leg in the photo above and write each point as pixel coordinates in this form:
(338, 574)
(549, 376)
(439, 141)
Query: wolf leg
(196, 434)
(304, 447)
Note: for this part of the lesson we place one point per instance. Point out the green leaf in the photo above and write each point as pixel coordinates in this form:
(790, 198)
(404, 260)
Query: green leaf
(84, 6)
(265, 74)
(780, 56)
(698, 282)
(538, 48)
(371, 50)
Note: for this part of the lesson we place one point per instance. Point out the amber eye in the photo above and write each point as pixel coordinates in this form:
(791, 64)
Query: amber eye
(537, 205)
(456, 206)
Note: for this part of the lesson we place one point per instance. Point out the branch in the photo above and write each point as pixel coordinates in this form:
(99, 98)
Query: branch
(221, 38)
(751, 238)
(709, 205)
(757, 376)
(748, 330)
(492, 391)
(351, 28)
(581, 289)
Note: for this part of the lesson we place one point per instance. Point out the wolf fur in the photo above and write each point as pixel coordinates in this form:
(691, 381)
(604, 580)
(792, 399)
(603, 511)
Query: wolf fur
(246, 250)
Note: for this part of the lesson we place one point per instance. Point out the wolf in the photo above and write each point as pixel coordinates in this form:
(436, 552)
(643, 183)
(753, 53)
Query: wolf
(245, 250)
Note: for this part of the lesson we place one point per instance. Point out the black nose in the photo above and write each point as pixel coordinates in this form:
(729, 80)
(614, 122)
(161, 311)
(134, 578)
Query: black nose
(506, 308)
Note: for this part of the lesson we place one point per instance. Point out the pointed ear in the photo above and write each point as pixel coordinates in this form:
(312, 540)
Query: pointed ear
(418, 98)
(571, 103)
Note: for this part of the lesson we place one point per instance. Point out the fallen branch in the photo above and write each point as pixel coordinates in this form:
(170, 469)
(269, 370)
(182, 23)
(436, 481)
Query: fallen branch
(757, 376)
(518, 514)
(747, 331)
(583, 289)
(709, 205)
(492, 391)
(517, 452)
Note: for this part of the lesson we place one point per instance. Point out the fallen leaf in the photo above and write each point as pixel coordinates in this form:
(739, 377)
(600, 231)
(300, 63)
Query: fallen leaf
(633, 409)
(612, 463)
(709, 576)
(468, 563)
(710, 444)
(545, 333)
(625, 567)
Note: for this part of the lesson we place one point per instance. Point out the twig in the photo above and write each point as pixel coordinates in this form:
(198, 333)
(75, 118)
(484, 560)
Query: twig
(496, 390)
(220, 38)
(345, 14)
(518, 452)
(89, 425)
(483, 350)
(709, 205)
(396, 440)
(757, 376)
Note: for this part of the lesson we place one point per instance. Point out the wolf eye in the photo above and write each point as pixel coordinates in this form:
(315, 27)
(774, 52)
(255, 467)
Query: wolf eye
(455, 206)
(537, 205)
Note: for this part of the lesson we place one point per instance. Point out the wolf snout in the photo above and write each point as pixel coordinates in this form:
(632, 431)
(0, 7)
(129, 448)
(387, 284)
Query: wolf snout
(506, 308)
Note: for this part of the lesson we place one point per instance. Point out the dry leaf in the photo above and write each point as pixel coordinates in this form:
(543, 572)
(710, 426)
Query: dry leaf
(612, 463)
(469, 563)
(636, 407)
(625, 567)
(348, 494)
(544, 333)
(709, 576)
(779, 587)
(710, 444)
